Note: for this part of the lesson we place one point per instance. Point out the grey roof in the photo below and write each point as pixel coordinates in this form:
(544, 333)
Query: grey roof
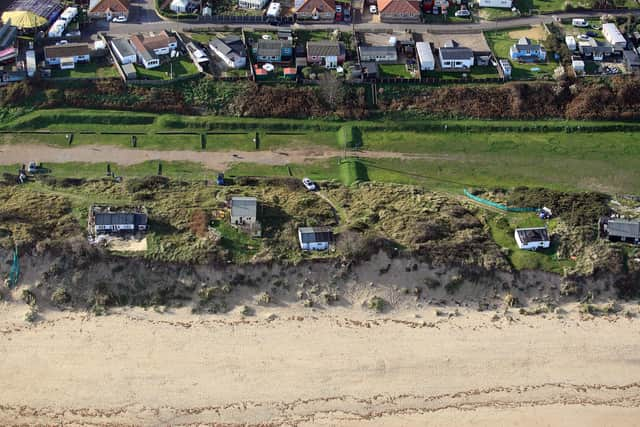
(325, 48)
(244, 206)
(455, 53)
(372, 67)
(123, 47)
(120, 218)
(631, 58)
(525, 44)
(129, 69)
(535, 234)
(623, 228)
(315, 234)
(378, 51)
(272, 47)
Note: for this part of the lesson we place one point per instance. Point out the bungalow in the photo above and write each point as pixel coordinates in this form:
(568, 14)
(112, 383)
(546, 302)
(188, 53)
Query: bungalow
(67, 55)
(613, 35)
(315, 238)
(100, 9)
(526, 51)
(504, 4)
(327, 53)
(455, 57)
(316, 10)
(533, 238)
(252, 4)
(244, 214)
(617, 229)
(106, 219)
(595, 49)
(378, 54)
(273, 50)
(231, 50)
(148, 48)
(399, 10)
(124, 51)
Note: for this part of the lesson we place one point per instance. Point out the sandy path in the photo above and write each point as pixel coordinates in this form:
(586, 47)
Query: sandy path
(217, 160)
(147, 368)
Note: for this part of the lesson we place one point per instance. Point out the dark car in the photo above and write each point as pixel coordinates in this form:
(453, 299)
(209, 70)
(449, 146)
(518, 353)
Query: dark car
(591, 34)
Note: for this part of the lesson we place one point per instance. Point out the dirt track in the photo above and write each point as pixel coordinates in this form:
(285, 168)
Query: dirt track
(216, 160)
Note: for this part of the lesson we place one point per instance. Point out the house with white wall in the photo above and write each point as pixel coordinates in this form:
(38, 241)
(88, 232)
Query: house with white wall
(67, 55)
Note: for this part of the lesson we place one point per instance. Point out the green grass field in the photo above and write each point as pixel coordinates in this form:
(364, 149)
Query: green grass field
(395, 71)
(465, 153)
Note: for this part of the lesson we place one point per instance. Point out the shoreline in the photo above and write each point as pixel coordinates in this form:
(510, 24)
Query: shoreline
(294, 366)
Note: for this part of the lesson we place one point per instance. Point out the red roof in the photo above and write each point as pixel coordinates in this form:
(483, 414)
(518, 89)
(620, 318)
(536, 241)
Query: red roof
(399, 6)
(290, 70)
(261, 72)
(320, 5)
(117, 6)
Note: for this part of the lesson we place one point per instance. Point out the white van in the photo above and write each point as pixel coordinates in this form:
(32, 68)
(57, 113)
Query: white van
(580, 22)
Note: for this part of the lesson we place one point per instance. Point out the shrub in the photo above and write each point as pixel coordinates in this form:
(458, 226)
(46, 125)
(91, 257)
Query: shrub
(31, 315)
(264, 298)
(28, 297)
(454, 284)
(377, 304)
(60, 296)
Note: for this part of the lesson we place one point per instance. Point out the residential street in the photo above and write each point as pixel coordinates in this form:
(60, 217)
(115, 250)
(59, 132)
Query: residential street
(142, 13)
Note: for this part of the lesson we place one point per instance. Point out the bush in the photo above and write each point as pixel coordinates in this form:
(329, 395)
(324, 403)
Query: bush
(28, 297)
(264, 298)
(454, 284)
(377, 304)
(60, 296)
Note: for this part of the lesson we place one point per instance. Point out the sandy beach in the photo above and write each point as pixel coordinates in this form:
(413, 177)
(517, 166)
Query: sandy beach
(344, 366)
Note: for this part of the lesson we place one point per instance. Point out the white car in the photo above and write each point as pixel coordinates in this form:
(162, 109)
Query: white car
(120, 18)
(309, 185)
(373, 9)
(462, 13)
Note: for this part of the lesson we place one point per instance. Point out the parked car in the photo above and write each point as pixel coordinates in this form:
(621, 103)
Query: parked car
(62, 42)
(347, 14)
(309, 185)
(120, 18)
(462, 13)
(591, 34)
(579, 22)
(373, 9)
(583, 37)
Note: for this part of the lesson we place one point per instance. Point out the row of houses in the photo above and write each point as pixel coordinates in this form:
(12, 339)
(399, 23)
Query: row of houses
(243, 215)
(147, 50)
(614, 229)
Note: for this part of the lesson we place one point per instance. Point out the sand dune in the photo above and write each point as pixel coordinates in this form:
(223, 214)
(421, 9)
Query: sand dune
(339, 367)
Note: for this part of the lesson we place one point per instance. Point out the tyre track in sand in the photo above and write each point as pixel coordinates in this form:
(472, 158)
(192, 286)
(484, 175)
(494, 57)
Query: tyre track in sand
(346, 407)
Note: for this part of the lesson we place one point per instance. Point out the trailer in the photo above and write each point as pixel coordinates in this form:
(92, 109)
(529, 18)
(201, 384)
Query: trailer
(425, 56)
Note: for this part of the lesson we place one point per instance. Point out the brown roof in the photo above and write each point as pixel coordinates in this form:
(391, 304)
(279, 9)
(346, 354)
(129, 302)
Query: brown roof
(321, 5)
(118, 6)
(149, 42)
(399, 6)
(66, 50)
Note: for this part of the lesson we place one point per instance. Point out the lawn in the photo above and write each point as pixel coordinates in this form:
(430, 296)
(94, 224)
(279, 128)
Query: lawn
(178, 67)
(500, 42)
(395, 71)
(467, 153)
(87, 71)
(502, 230)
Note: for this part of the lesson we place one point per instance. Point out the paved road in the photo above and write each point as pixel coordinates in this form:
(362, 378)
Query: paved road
(143, 12)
